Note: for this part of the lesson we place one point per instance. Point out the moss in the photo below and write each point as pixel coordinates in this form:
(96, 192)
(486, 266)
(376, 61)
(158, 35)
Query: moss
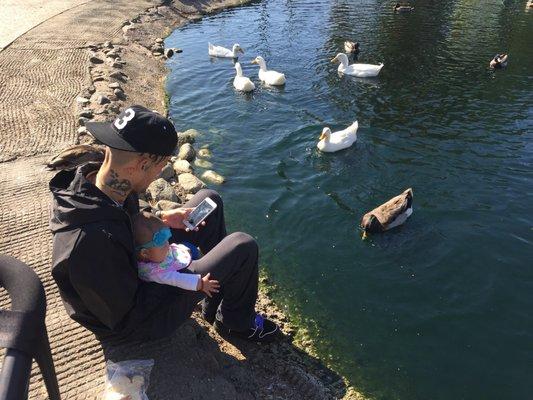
(303, 332)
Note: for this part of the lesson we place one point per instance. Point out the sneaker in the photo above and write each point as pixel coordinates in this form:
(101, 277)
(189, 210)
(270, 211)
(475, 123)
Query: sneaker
(264, 330)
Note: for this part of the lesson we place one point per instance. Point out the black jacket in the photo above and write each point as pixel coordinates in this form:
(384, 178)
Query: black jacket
(94, 264)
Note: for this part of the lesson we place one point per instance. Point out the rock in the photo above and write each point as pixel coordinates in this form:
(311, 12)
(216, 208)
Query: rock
(180, 192)
(190, 183)
(200, 162)
(108, 44)
(86, 114)
(213, 177)
(182, 166)
(187, 152)
(96, 60)
(167, 173)
(157, 53)
(115, 65)
(164, 205)
(189, 136)
(82, 100)
(82, 130)
(82, 121)
(112, 54)
(119, 93)
(113, 108)
(169, 53)
(85, 93)
(205, 153)
(119, 76)
(159, 40)
(114, 85)
(99, 78)
(102, 99)
(160, 189)
(176, 50)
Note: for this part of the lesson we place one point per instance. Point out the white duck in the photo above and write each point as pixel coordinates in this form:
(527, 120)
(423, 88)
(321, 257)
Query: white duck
(241, 82)
(360, 70)
(330, 142)
(272, 78)
(219, 51)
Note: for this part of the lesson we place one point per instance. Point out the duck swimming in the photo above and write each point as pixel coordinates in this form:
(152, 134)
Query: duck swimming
(499, 61)
(330, 142)
(391, 214)
(399, 7)
(360, 70)
(241, 82)
(272, 78)
(352, 49)
(219, 51)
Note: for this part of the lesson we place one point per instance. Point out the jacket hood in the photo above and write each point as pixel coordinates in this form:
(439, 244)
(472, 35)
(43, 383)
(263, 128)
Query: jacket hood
(77, 202)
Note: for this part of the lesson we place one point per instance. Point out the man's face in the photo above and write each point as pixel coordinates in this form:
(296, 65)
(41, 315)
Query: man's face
(148, 171)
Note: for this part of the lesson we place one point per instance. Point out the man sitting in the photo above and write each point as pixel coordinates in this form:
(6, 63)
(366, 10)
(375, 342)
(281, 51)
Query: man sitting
(94, 262)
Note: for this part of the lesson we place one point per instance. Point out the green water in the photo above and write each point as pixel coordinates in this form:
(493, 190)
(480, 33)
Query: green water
(440, 308)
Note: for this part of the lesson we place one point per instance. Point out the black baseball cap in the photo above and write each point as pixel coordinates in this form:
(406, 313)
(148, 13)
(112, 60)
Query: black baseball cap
(137, 129)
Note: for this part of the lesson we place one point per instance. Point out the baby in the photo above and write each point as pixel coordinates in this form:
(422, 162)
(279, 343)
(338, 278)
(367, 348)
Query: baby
(161, 262)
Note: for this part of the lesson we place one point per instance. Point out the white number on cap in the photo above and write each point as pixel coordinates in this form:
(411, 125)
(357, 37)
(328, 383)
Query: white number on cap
(120, 123)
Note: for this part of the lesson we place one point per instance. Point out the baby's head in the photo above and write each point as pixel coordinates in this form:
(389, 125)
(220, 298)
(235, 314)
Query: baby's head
(151, 237)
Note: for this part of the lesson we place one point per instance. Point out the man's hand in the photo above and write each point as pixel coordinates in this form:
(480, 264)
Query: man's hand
(174, 218)
(208, 286)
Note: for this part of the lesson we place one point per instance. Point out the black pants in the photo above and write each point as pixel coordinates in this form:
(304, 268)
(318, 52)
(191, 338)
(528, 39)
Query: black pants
(231, 259)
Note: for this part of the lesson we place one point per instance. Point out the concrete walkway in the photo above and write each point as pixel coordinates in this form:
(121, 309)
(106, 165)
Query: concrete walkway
(17, 18)
(41, 73)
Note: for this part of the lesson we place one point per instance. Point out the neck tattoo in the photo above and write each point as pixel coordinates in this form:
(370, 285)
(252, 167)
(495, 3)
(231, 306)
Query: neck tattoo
(119, 187)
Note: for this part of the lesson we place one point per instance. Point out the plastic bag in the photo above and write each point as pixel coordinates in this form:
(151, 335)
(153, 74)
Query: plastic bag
(127, 380)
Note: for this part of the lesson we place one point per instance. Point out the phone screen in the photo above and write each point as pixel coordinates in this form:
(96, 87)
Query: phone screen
(200, 213)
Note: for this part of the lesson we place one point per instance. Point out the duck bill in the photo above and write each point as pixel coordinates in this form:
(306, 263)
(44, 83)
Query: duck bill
(364, 236)
(254, 61)
(322, 136)
(241, 51)
(334, 60)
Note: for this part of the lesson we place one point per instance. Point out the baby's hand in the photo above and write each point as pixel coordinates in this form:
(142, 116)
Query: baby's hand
(209, 286)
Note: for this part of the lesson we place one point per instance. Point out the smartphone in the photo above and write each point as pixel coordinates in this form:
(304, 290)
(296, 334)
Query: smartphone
(200, 213)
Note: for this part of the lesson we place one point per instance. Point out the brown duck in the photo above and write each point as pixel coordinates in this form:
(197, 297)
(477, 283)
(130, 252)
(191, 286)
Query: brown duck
(75, 156)
(402, 7)
(388, 215)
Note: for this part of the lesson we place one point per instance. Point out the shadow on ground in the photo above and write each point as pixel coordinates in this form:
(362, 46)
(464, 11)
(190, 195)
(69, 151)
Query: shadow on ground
(196, 363)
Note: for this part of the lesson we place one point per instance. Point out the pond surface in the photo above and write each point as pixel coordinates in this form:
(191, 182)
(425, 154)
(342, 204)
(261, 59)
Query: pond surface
(440, 308)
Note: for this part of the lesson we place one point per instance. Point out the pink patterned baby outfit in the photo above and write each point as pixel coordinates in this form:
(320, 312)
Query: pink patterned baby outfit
(167, 271)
